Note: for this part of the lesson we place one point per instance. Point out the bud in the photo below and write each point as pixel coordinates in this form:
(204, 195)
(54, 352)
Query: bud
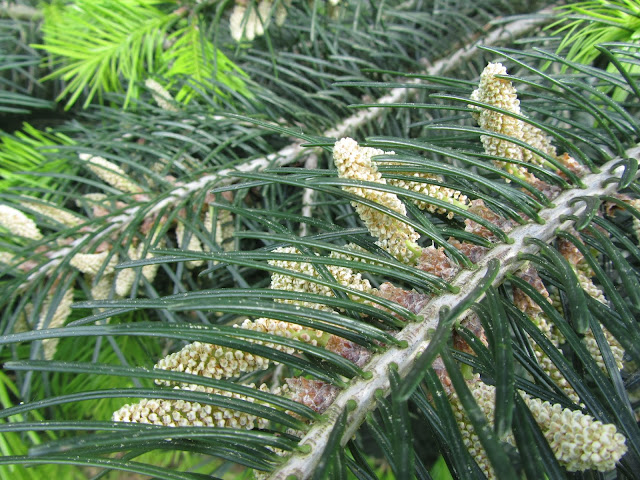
(56, 320)
(449, 195)
(395, 236)
(161, 95)
(315, 394)
(343, 275)
(18, 224)
(54, 212)
(500, 93)
(181, 413)
(91, 263)
(192, 244)
(110, 173)
(579, 441)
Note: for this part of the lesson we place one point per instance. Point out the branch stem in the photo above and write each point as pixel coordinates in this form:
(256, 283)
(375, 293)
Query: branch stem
(294, 151)
(418, 335)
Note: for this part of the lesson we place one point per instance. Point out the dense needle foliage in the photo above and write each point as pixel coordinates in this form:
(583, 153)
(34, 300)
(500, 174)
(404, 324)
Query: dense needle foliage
(340, 239)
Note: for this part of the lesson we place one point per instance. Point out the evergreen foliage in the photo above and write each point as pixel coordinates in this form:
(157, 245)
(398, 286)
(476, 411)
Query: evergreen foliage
(20, 91)
(101, 45)
(366, 240)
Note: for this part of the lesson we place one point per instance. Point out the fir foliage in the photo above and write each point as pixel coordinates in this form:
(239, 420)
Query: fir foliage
(113, 46)
(209, 259)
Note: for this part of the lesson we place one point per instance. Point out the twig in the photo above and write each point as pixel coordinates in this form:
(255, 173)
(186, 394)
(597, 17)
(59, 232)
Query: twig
(292, 152)
(417, 334)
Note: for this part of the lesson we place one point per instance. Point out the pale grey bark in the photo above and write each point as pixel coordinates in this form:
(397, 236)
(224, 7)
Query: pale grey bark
(417, 334)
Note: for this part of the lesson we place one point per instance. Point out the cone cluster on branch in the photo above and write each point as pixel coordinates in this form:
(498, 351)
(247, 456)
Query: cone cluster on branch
(578, 440)
(96, 252)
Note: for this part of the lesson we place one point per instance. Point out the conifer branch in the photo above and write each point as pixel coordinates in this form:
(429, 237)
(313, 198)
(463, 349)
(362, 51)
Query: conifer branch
(293, 151)
(368, 324)
(417, 335)
(509, 32)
